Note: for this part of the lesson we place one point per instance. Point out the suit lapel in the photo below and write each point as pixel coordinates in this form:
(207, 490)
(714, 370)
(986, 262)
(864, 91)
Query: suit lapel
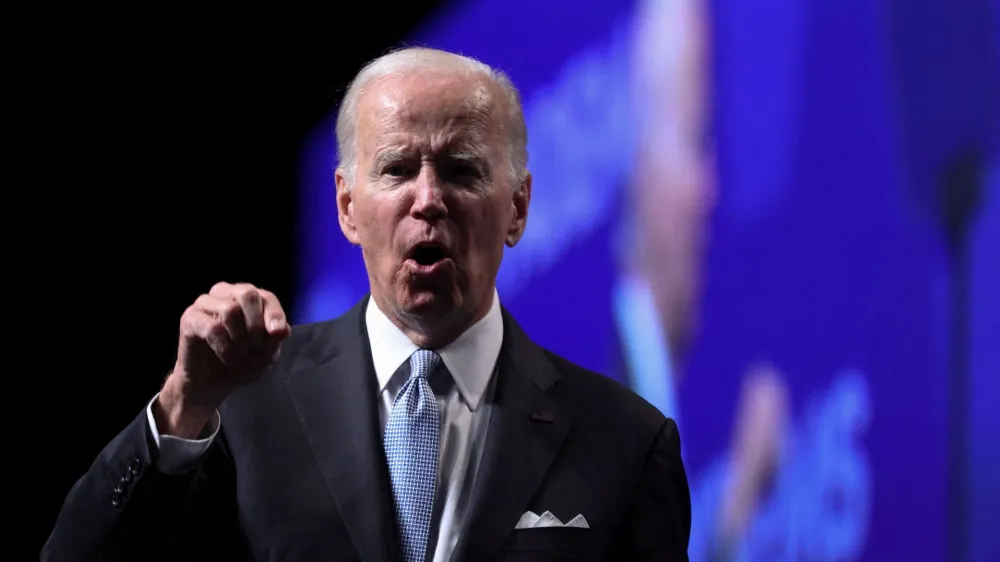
(337, 405)
(527, 428)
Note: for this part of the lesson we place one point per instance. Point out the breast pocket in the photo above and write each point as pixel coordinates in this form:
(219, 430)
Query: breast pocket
(551, 543)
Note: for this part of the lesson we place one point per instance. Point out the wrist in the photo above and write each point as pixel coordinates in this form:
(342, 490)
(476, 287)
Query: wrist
(177, 415)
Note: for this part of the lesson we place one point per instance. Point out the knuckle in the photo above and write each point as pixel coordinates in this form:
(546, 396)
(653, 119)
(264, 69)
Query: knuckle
(189, 319)
(189, 312)
(219, 287)
(240, 288)
(249, 295)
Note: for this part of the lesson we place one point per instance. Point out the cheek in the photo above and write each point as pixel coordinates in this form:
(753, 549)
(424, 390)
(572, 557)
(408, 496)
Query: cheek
(486, 228)
(370, 225)
(375, 221)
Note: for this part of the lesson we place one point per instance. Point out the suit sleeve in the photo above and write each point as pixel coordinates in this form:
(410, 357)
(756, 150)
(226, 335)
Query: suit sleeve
(125, 508)
(175, 455)
(658, 525)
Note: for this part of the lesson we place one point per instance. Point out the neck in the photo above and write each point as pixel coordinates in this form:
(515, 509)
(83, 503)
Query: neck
(434, 333)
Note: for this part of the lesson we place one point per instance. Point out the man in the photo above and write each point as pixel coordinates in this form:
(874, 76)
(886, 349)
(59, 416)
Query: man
(656, 302)
(769, 496)
(421, 425)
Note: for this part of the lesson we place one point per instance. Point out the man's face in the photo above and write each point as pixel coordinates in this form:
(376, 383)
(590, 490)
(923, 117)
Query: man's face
(674, 204)
(431, 202)
(675, 173)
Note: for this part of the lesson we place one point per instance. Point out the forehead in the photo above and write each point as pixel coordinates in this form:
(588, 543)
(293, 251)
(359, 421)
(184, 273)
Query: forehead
(428, 106)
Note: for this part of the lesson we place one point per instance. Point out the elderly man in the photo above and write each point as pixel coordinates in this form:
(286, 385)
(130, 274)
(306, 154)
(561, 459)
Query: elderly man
(656, 304)
(423, 424)
(770, 491)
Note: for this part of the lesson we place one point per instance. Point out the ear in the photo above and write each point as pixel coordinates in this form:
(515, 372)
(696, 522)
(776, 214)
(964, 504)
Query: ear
(519, 212)
(345, 207)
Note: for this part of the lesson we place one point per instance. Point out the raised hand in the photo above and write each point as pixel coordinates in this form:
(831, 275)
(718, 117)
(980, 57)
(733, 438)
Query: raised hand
(228, 338)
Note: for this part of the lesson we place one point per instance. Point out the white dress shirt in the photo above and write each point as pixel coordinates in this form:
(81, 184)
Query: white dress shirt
(465, 399)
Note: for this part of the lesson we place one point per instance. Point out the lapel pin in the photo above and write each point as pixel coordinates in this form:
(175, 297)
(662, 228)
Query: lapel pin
(543, 417)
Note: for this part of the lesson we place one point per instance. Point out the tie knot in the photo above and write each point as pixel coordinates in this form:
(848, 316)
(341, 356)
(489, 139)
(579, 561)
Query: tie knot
(423, 362)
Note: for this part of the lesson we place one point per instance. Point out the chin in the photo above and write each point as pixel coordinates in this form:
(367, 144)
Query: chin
(430, 305)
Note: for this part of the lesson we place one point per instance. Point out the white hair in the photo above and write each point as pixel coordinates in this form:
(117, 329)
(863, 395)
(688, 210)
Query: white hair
(420, 58)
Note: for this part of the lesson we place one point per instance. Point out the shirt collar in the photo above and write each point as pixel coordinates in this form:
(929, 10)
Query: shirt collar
(470, 358)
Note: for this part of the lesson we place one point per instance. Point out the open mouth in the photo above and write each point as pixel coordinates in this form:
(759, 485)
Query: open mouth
(427, 254)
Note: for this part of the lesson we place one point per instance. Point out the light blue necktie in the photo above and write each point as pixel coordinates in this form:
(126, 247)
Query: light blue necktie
(411, 448)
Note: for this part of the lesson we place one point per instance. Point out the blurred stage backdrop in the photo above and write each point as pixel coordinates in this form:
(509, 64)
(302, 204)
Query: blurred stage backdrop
(812, 188)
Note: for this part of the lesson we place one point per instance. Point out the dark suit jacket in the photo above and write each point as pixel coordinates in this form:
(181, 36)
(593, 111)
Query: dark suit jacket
(297, 471)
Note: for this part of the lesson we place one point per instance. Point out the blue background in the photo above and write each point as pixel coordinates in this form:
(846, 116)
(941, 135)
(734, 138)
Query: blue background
(824, 258)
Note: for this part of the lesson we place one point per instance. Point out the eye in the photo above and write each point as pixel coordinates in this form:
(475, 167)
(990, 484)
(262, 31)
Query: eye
(396, 170)
(462, 171)
(465, 170)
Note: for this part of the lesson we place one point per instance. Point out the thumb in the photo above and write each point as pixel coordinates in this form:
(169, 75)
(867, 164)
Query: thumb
(278, 331)
(278, 328)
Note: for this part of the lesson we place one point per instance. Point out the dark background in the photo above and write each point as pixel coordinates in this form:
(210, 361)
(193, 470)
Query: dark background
(166, 151)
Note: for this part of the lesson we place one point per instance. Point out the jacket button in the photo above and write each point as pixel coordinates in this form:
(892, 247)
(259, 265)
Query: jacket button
(116, 499)
(121, 487)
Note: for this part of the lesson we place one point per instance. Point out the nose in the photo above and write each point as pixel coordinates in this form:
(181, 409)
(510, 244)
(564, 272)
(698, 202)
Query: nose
(428, 200)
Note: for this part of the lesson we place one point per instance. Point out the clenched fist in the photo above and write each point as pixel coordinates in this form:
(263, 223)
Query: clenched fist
(228, 338)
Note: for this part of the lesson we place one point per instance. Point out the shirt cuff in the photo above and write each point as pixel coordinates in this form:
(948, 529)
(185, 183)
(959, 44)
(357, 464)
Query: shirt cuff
(176, 455)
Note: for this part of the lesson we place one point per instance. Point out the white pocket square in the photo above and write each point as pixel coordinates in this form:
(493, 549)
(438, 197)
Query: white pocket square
(531, 521)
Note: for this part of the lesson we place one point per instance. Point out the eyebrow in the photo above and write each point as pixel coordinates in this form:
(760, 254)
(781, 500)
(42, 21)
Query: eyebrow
(385, 157)
(390, 155)
(467, 156)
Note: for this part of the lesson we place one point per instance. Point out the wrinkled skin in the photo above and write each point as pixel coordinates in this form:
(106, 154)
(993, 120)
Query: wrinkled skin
(432, 167)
